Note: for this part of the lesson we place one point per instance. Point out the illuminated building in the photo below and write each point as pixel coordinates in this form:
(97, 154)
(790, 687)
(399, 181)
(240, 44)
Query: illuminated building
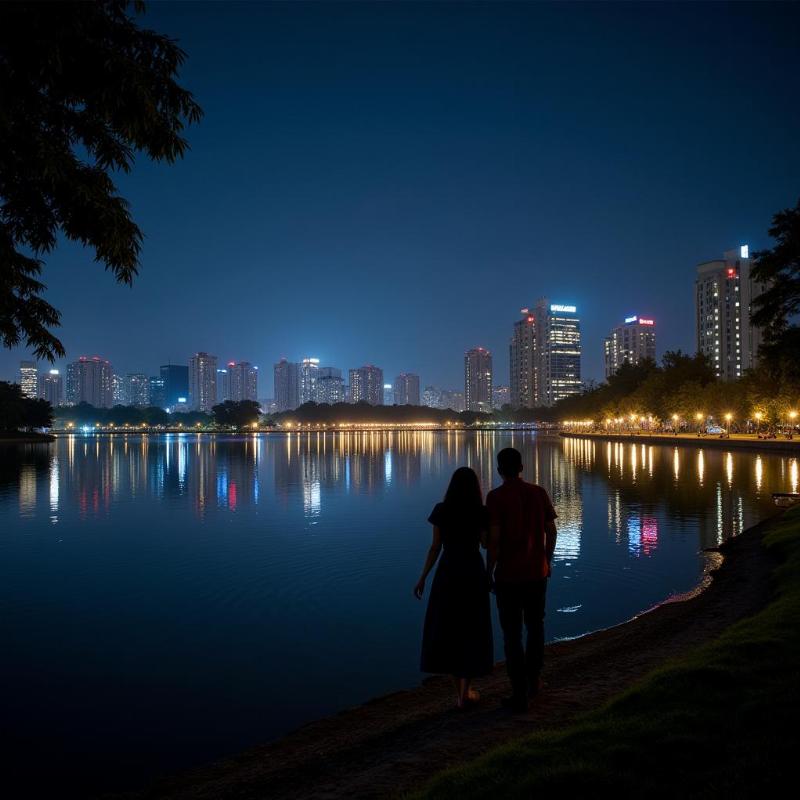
(29, 378)
(366, 385)
(202, 382)
(558, 359)
(501, 396)
(406, 389)
(724, 293)
(522, 362)
(330, 386)
(388, 394)
(630, 343)
(135, 390)
(156, 390)
(117, 390)
(51, 387)
(478, 380)
(90, 380)
(242, 381)
(287, 396)
(308, 374)
(223, 385)
(176, 384)
(432, 397)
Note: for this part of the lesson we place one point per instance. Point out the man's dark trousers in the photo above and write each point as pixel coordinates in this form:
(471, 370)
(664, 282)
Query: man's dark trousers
(518, 603)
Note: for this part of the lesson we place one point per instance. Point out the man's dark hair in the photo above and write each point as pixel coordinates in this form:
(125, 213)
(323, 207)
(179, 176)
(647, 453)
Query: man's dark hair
(509, 462)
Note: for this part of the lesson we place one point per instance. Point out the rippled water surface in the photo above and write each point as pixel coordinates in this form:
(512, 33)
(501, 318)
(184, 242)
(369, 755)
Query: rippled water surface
(165, 600)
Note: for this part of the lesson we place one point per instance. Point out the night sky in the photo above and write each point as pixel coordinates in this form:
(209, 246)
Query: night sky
(390, 183)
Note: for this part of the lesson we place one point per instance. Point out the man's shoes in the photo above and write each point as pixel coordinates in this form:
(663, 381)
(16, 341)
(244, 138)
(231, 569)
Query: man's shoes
(515, 703)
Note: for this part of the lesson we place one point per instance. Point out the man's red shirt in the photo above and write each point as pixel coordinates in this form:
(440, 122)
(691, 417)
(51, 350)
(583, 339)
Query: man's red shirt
(520, 510)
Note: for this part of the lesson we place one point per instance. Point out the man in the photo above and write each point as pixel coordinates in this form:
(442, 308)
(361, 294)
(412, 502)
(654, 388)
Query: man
(522, 540)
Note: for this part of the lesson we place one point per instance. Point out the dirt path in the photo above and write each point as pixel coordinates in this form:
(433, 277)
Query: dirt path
(393, 744)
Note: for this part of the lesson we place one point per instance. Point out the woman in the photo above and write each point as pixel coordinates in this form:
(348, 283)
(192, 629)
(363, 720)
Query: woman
(457, 638)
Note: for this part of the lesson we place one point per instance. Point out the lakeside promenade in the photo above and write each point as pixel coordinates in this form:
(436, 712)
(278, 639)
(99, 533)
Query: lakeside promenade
(736, 441)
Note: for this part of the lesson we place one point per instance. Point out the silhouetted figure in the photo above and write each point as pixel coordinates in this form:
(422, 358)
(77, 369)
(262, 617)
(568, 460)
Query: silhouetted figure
(457, 638)
(522, 539)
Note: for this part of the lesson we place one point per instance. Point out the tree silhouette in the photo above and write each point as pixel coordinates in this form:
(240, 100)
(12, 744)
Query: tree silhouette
(83, 89)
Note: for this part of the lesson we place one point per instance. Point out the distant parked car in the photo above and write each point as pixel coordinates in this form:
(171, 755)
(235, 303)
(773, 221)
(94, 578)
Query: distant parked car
(715, 429)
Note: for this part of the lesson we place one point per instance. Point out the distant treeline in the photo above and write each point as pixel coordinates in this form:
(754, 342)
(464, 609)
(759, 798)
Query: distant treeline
(356, 413)
(86, 414)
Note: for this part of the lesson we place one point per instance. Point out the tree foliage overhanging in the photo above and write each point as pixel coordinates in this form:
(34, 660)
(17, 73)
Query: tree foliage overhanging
(83, 89)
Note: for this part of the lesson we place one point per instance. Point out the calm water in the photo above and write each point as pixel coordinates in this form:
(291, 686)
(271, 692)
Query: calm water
(165, 600)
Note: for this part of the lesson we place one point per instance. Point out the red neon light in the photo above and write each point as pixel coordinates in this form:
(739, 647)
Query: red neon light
(646, 321)
(731, 272)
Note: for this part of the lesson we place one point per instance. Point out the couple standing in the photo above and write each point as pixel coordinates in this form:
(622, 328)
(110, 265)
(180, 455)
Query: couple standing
(517, 528)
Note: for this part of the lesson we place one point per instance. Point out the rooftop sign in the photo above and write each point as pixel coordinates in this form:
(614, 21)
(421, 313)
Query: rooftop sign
(563, 309)
(631, 319)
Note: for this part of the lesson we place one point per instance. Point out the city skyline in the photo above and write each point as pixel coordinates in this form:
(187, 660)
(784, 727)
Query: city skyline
(581, 171)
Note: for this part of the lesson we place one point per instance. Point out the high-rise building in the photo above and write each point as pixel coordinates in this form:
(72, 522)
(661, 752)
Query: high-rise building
(388, 394)
(522, 362)
(176, 384)
(157, 393)
(366, 385)
(287, 385)
(501, 396)
(432, 397)
(136, 390)
(243, 381)
(453, 399)
(90, 380)
(307, 374)
(406, 389)
(630, 343)
(724, 294)
(223, 385)
(29, 378)
(51, 387)
(202, 382)
(330, 386)
(558, 359)
(118, 397)
(478, 380)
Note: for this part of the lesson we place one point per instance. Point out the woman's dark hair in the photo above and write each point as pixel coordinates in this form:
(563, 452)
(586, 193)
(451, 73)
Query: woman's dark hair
(464, 492)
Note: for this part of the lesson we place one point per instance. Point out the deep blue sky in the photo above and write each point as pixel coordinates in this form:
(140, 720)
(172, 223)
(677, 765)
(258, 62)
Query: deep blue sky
(390, 183)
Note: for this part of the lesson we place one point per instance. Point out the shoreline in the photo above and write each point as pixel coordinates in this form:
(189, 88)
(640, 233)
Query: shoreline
(27, 438)
(395, 743)
(692, 440)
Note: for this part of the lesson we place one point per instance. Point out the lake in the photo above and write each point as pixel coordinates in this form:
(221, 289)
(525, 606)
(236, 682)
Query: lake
(170, 599)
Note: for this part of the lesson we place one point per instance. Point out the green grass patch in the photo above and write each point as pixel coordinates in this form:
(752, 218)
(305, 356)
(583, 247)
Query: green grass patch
(722, 721)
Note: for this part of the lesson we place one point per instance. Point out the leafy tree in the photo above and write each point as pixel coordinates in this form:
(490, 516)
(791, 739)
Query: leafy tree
(38, 413)
(235, 414)
(83, 89)
(12, 402)
(779, 269)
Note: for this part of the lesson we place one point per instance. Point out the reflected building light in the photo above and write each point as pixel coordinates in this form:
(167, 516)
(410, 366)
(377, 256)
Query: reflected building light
(568, 542)
(676, 464)
(720, 518)
(649, 535)
(759, 473)
(701, 466)
(27, 490)
(54, 488)
(650, 454)
(634, 462)
(793, 482)
(729, 468)
(634, 536)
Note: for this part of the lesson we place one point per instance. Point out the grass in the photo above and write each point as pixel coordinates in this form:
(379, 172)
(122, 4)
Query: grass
(722, 721)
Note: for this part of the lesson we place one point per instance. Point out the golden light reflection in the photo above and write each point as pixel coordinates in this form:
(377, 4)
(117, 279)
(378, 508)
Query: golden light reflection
(729, 468)
(759, 472)
(793, 482)
(701, 466)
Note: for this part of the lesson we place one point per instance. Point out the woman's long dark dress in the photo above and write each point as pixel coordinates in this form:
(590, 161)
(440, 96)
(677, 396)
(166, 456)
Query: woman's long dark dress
(457, 638)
